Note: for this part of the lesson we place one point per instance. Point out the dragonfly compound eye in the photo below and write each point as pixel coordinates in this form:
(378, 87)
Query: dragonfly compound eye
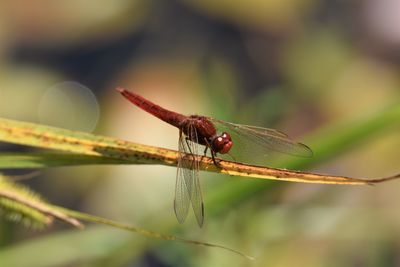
(222, 143)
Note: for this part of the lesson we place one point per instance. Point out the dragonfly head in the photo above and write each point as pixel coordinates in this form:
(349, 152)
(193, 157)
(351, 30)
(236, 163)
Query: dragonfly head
(222, 143)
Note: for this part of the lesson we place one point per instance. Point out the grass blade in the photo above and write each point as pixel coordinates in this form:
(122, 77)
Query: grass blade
(107, 149)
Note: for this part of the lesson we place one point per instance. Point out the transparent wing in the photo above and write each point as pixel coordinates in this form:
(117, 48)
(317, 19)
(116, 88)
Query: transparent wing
(182, 198)
(188, 188)
(263, 139)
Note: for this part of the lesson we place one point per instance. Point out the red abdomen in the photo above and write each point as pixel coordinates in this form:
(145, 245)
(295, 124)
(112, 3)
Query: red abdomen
(168, 116)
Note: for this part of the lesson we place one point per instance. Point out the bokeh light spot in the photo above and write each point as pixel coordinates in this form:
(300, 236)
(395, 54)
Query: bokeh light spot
(69, 105)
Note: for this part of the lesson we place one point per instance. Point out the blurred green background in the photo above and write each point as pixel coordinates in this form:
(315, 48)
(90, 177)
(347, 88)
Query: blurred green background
(317, 70)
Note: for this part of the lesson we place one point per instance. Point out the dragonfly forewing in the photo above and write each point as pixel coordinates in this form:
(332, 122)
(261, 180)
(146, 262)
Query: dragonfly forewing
(264, 139)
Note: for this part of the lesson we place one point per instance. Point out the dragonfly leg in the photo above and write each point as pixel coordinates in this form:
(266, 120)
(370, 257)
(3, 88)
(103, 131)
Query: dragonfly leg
(213, 154)
(187, 143)
(190, 150)
(205, 151)
(216, 163)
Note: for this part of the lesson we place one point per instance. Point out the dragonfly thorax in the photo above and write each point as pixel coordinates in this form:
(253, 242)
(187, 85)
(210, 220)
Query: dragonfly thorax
(222, 143)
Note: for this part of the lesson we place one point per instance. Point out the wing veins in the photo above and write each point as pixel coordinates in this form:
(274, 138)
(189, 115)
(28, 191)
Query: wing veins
(270, 138)
(188, 189)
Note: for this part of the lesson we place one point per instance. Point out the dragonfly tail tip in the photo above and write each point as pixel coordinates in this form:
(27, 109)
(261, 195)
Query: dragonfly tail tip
(120, 89)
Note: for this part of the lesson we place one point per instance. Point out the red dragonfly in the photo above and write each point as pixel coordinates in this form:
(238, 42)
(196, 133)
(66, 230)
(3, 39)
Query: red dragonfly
(195, 130)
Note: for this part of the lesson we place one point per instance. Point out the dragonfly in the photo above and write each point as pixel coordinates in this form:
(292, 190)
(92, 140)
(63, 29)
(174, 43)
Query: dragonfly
(196, 130)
